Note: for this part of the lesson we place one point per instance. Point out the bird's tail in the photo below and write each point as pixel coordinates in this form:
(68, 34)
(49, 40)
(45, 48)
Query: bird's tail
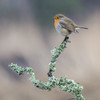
(81, 27)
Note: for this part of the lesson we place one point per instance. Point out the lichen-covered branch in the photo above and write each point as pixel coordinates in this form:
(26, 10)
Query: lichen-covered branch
(55, 54)
(64, 84)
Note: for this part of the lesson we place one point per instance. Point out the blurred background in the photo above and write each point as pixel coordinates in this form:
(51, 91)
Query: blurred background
(27, 35)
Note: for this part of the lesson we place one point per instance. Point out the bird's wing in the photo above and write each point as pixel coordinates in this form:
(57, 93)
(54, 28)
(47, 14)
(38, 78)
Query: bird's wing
(67, 26)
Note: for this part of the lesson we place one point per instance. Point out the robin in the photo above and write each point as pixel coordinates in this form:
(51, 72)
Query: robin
(65, 26)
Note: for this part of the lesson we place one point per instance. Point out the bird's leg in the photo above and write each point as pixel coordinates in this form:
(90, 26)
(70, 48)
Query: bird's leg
(66, 38)
(76, 31)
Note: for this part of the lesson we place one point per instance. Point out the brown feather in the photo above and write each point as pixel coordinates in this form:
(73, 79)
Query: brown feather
(67, 26)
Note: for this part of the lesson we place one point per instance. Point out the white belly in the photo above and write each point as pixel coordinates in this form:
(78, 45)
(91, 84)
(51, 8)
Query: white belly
(61, 30)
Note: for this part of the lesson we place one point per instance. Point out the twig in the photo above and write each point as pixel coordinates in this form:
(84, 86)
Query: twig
(64, 84)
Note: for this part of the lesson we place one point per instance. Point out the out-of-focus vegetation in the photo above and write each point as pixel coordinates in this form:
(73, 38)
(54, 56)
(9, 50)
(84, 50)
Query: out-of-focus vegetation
(44, 10)
(27, 35)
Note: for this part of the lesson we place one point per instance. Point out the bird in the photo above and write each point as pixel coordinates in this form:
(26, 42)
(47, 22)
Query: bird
(66, 26)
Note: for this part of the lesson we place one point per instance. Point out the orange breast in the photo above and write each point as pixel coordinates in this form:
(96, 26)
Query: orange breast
(56, 21)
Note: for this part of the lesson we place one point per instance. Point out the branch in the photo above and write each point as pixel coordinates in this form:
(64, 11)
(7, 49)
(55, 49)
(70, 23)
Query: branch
(64, 84)
(55, 54)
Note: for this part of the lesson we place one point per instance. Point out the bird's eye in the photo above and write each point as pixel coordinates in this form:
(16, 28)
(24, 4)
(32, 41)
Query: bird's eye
(57, 17)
